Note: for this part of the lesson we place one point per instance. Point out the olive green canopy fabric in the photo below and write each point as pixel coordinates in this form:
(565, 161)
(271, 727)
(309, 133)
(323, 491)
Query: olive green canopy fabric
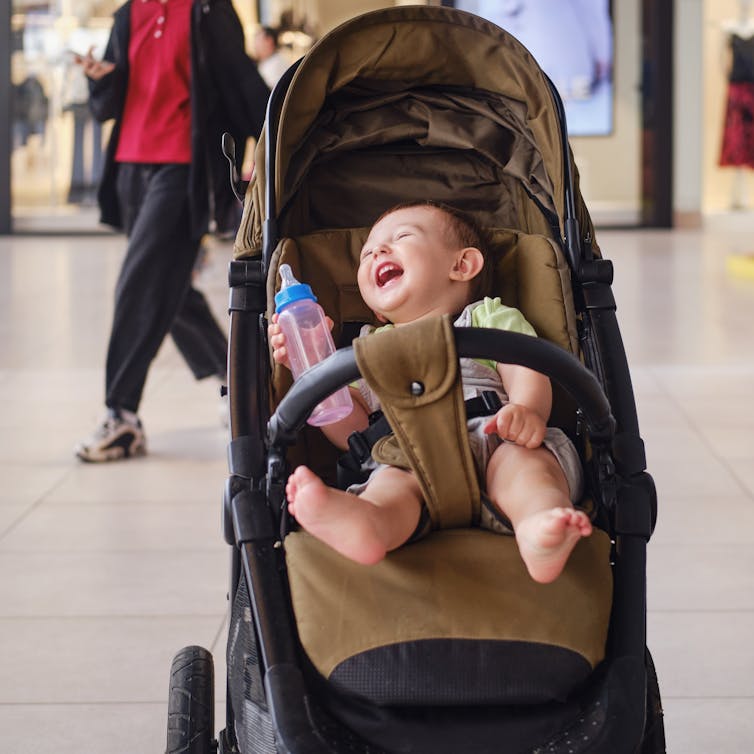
(414, 103)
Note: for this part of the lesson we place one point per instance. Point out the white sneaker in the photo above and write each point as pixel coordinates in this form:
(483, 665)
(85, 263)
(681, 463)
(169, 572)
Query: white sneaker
(117, 437)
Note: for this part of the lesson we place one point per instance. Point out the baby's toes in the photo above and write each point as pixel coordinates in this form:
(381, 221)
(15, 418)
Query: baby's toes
(581, 521)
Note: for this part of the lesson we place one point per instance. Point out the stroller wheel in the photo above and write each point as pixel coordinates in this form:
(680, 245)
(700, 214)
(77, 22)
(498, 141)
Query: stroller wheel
(191, 714)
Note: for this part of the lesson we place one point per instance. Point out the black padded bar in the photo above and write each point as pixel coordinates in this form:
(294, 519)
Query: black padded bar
(512, 348)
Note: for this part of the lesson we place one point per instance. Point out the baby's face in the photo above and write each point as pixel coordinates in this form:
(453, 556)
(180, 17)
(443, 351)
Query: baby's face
(405, 266)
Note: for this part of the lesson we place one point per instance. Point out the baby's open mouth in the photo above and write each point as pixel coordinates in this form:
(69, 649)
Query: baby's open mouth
(387, 272)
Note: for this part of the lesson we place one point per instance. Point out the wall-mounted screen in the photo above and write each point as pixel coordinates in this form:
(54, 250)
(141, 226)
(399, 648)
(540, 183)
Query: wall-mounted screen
(572, 40)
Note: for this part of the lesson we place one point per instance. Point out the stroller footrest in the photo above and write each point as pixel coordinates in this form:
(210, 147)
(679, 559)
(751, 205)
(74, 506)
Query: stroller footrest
(452, 618)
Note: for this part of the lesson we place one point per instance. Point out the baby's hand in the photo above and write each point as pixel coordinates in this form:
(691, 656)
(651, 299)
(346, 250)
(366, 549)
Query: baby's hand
(277, 341)
(518, 424)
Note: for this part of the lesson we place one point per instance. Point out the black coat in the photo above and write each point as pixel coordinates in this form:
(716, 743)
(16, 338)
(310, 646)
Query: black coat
(227, 94)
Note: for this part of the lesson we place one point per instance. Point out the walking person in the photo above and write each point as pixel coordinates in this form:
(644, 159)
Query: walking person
(172, 71)
(271, 61)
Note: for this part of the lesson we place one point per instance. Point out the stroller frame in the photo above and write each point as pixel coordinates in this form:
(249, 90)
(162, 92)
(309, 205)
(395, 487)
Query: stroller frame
(253, 497)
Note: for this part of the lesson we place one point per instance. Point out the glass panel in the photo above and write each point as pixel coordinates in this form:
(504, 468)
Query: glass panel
(57, 146)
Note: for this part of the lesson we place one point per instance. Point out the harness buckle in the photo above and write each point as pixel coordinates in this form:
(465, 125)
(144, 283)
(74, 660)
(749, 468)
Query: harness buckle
(359, 446)
(491, 402)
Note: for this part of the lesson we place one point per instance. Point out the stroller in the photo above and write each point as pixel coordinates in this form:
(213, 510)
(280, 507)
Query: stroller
(447, 646)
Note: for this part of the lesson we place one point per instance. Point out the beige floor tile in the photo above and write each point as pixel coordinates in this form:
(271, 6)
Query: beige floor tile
(698, 519)
(702, 726)
(702, 654)
(161, 476)
(11, 515)
(673, 441)
(77, 728)
(730, 443)
(49, 387)
(700, 576)
(656, 410)
(678, 474)
(109, 527)
(27, 482)
(137, 582)
(724, 384)
(721, 414)
(743, 470)
(95, 659)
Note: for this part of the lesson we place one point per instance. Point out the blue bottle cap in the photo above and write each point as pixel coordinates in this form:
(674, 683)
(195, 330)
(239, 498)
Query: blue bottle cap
(291, 289)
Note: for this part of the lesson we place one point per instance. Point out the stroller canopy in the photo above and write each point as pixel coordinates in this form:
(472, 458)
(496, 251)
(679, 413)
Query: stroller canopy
(411, 103)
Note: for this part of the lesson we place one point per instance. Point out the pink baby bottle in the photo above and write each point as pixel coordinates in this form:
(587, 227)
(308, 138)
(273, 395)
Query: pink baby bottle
(308, 340)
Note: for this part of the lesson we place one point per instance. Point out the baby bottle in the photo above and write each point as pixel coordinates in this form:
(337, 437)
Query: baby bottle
(308, 341)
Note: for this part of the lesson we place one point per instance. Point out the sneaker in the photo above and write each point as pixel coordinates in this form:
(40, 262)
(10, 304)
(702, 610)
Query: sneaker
(116, 438)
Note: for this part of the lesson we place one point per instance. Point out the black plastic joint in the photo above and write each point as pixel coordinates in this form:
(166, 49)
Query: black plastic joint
(247, 298)
(277, 435)
(634, 513)
(596, 271)
(244, 457)
(359, 447)
(628, 451)
(491, 401)
(598, 296)
(233, 485)
(245, 272)
(248, 287)
(252, 520)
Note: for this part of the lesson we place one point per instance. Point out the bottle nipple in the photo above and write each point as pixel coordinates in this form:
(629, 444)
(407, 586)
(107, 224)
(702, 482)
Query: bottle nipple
(286, 276)
(290, 289)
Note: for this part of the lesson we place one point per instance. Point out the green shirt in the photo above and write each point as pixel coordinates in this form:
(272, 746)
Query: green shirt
(492, 313)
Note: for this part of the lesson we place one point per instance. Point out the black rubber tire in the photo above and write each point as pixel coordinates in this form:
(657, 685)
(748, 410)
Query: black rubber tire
(191, 704)
(654, 726)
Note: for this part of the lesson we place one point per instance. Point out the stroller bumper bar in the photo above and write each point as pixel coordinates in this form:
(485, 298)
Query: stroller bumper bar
(340, 369)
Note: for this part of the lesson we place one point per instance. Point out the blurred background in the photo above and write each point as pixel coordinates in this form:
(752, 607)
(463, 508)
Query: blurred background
(644, 83)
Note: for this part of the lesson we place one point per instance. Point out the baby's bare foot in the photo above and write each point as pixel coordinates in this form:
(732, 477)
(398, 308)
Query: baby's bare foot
(546, 539)
(337, 518)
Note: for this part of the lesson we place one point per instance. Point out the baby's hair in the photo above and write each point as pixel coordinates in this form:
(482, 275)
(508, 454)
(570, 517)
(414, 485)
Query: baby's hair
(463, 230)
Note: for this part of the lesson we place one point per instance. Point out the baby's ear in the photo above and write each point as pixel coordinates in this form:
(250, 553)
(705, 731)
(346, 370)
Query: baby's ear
(468, 264)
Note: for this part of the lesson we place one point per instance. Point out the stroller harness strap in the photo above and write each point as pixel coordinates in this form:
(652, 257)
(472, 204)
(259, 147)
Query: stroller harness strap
(360, 444)
(414, 371)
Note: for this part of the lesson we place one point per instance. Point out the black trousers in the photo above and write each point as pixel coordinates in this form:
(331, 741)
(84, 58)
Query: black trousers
(154, 295)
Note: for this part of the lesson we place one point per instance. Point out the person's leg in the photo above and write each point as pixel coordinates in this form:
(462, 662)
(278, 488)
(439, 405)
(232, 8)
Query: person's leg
(362, 528)
(154, 278)
(530, 488)
(199, 338)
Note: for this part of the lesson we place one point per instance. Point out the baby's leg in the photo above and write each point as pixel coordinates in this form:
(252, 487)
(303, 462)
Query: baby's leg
(530, 488)
(361, 528)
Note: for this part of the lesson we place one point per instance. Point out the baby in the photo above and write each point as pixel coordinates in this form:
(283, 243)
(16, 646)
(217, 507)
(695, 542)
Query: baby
(425, 260)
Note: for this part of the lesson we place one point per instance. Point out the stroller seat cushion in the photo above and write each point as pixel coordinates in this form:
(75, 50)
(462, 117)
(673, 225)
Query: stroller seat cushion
(453, 616)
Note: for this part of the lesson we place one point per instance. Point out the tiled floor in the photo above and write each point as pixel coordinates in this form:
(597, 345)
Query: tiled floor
(105, 572)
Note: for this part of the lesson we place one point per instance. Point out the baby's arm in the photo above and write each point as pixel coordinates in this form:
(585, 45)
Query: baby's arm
(337, 433)
(524, 419)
